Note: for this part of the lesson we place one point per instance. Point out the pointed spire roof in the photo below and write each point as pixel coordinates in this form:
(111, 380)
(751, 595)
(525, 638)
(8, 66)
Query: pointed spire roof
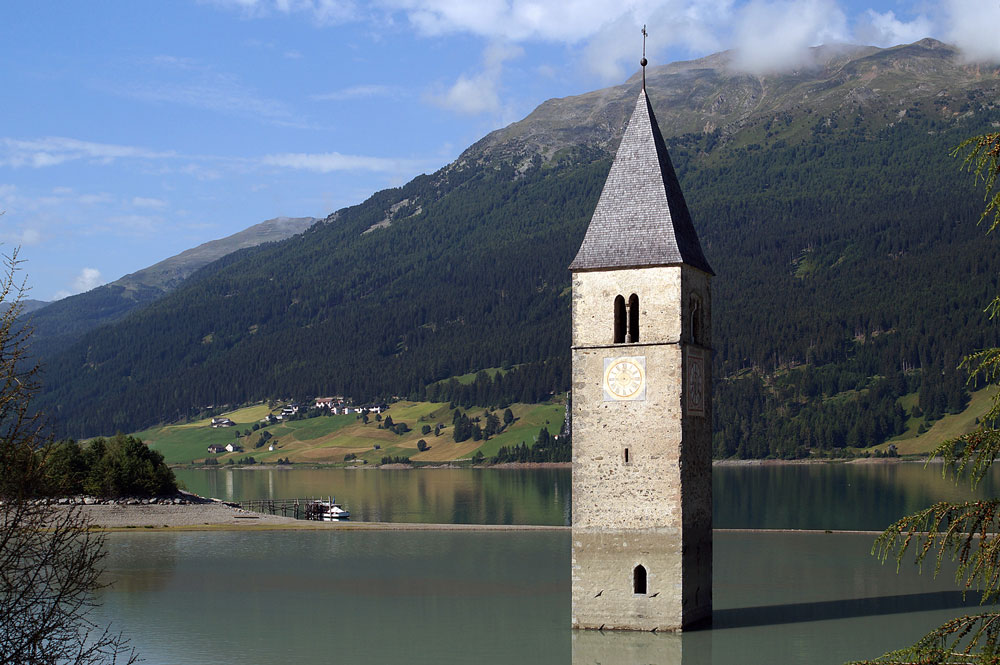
(641, 219)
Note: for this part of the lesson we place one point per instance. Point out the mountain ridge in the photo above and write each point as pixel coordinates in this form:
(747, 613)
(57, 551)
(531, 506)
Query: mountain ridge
(58, 323)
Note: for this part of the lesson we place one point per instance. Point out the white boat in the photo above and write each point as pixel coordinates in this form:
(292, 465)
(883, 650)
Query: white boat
(326, 511)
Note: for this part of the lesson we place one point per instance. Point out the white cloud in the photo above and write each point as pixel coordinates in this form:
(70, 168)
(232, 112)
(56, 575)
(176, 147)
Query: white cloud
(29, 237)
(334, 161)
(222, 94)
(175, 62)
(612, 52)
(887, 30)
(187, 82)
(88, 279)
(569, 21)
(358, 92)
(608, 53)
(324, 12)
(201, 172)
(599, 23)
(53, 150)
(973, 29)
(774, 36)
(94, 199)
(126, 225)
(292, 55)
(143, 202)
(479, 93)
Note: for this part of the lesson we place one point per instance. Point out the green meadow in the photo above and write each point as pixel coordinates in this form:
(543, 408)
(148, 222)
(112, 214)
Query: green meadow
(328, 439)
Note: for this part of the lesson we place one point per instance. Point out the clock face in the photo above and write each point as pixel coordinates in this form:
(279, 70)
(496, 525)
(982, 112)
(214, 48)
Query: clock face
(625, 378)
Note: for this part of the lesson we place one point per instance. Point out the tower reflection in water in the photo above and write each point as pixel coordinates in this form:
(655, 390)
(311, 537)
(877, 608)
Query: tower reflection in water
(626, 647)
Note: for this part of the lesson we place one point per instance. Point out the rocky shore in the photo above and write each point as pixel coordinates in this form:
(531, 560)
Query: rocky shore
(180, 510)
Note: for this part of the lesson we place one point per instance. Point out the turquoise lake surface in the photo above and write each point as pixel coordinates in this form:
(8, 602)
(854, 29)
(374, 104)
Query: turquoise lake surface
(503, 597)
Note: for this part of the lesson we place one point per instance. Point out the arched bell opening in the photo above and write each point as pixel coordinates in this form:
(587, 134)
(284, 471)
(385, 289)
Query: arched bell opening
(621, 320)
(633, 318)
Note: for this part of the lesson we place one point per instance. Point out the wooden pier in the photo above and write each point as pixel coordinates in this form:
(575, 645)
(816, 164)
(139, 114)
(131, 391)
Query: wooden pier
(300, 509)
(285, 507)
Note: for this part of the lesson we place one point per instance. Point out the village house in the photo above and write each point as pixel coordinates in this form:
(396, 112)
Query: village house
(234, 448)
(216, 448)
(222, 422)
(324, 403)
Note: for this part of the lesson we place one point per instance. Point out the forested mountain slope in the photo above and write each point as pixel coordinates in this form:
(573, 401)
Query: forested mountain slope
(56, 325)
(843, 236)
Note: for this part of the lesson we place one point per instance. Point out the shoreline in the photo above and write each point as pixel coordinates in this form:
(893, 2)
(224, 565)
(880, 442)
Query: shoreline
(544, 465)
(215, 516)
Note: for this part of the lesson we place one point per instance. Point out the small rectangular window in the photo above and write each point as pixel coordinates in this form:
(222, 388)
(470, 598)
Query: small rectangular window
(626, 456)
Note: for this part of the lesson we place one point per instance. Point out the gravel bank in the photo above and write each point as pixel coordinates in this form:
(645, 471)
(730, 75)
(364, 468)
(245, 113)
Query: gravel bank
(213, 516)
(209, 515)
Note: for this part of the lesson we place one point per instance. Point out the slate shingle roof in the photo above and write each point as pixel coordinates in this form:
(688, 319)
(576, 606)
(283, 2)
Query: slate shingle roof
(641, 218)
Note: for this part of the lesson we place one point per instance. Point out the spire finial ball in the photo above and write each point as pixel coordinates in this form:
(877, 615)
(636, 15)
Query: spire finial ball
(643, 62)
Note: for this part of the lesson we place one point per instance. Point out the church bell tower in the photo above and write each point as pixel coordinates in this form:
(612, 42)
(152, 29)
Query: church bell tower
(641, 400)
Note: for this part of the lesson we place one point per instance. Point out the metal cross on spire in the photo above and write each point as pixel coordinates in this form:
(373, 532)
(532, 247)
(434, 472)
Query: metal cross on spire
(644, 61)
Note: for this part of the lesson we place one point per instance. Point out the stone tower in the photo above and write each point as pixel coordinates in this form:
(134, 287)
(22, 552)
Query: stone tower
(642, 410)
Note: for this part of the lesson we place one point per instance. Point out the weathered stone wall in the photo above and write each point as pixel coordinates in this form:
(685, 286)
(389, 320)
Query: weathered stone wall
(645, 492)
(659, 291)
(655, 508)
(603, 563)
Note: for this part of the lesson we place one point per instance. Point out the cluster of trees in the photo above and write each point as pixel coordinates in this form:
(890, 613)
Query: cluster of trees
(395, 459)
(826, 408)
(399, 428)
(780, 417)
(547, 448)
(528, 383)
(480, 427)
(119, 466)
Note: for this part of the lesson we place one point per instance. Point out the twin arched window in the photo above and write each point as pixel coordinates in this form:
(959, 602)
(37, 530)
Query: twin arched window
(627, 320)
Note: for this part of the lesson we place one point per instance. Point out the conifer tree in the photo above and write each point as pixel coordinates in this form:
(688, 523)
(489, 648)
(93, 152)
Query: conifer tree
(966, 532)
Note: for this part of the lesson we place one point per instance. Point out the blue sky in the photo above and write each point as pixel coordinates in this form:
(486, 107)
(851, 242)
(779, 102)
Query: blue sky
(133, 130)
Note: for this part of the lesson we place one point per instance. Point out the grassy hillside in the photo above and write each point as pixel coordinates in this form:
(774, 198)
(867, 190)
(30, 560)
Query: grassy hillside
(328, 439)
(950, 426)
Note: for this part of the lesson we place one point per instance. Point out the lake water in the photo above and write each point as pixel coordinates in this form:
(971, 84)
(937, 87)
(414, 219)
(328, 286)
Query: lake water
(493, 598)
(807, 496)
(277, 597)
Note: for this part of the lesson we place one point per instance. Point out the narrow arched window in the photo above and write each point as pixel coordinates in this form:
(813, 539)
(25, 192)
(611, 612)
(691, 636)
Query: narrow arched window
(633, 318)
(696, 325)
(639, 580)
(620, 320)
